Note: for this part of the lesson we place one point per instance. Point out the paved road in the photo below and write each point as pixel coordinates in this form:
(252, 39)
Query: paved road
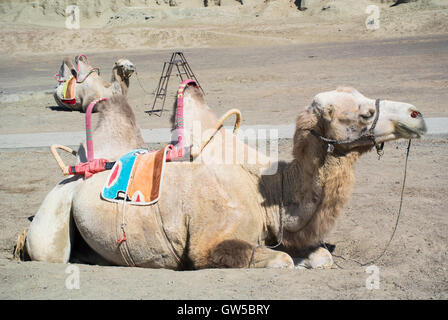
(34, 73)
(437, 127)
(268, 84)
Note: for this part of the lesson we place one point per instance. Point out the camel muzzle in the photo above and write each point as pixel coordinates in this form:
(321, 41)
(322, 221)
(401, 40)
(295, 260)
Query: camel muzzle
(128, 71)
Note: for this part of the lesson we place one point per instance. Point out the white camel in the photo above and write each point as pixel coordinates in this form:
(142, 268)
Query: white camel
(222, 215)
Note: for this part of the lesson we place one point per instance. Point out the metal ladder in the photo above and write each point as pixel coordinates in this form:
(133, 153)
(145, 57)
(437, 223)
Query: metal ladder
(184, 72)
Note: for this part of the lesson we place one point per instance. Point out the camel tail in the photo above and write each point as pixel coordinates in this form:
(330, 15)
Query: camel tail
(20, 253)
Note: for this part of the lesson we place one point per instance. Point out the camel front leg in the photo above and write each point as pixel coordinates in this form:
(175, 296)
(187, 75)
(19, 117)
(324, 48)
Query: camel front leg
(48, 237)
(242, 254)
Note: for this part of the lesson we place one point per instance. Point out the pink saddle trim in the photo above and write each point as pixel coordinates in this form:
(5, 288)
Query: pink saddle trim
(89, 133)
(178, 150)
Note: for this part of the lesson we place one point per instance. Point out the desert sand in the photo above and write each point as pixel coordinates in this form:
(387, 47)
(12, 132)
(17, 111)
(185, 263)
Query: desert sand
(268, 59)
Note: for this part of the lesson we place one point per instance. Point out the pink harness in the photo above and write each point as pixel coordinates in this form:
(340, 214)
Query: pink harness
(92, 165)
(89, 134)
(176, 151)
(77, 71)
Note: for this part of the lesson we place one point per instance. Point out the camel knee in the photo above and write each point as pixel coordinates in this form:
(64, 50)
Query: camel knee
(48, 245)
(49, 240)
(48, 237)
(231, 254)
(241, 254)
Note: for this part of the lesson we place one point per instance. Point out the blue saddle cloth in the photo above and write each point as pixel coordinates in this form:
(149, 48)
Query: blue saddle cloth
(118, 180)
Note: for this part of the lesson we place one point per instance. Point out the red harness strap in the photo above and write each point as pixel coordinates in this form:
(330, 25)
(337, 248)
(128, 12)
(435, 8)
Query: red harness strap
(98, 165)
(89, 168)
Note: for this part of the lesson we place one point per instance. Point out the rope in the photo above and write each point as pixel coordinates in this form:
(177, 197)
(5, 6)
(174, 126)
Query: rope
(123, 210)
(65, 169)
(252, 262)
(396, 222)
(218, 126)
(280, 236)
(139, 82)
(125, 253)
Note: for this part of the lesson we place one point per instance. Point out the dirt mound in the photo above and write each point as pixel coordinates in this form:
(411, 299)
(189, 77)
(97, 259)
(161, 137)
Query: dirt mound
(106, 12)
(40, 27)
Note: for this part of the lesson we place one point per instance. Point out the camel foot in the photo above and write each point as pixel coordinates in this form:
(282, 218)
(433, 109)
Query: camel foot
(321, 258)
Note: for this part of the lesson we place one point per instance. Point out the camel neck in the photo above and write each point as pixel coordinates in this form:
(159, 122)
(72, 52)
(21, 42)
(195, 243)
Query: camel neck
(123, 82)
(314, 188)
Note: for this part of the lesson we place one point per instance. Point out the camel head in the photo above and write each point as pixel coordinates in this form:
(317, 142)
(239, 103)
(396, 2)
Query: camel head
(124, 68)
(350, 121)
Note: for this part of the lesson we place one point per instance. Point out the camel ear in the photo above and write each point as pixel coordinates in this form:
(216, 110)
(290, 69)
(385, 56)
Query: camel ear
(328, 112)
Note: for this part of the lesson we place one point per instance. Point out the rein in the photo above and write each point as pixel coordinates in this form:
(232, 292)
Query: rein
(368, 136)
(140, 83)
(281, 209)
(280, 235)
(331, 149)
(396, 222)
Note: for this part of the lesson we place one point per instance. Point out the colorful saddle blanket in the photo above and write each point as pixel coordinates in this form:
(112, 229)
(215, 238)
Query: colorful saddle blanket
(137, 177)
(68, 91)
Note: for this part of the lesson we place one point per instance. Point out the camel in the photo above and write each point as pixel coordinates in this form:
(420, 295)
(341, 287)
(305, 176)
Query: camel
(221, 214)
(89, 85)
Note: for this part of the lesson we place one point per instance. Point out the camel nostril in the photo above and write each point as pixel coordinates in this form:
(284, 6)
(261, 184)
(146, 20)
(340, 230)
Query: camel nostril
(415, 114)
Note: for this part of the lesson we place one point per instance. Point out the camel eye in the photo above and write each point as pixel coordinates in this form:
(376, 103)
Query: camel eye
(367, 116)
(415, 114)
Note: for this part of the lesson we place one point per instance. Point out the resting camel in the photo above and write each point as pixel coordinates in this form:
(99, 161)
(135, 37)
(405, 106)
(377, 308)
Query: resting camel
(89, 84)
(213, 214)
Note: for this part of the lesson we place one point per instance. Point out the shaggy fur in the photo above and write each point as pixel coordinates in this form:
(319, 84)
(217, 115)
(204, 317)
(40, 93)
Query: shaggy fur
(231, 254)
(312, 189)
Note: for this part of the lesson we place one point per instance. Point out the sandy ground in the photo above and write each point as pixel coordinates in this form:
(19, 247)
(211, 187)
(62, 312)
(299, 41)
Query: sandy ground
(269, 66)
(414, 266)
